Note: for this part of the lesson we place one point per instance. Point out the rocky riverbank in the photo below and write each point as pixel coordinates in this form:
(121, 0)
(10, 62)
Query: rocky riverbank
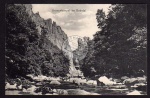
(78, 86)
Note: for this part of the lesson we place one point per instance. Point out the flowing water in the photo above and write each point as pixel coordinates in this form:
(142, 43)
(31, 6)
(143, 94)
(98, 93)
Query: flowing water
(72, 89)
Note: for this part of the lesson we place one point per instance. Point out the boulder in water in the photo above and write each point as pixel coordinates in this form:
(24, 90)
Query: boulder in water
(124, 77)
(8, 86)
(32, 88)
(62, 92)
(139, 84)
(30, 75)
(106, 81)
(46, 90)
(53, 78)
(135, 80)
(39, 84)
(40, 78)
(134, 93)
(54, 90)
(92, 82)
(55, 82)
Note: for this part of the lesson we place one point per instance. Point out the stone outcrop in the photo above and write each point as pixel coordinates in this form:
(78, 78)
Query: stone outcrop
(82, 49)
(80, 54)
(54, 33)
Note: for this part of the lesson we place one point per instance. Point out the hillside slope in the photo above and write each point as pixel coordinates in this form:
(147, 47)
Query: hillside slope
(33, 45)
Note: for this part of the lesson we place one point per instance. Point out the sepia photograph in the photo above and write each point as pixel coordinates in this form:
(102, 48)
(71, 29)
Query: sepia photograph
(76, 49)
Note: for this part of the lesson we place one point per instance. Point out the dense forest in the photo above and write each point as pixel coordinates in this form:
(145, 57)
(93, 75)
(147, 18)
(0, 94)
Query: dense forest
(27, 52)
(120, 46)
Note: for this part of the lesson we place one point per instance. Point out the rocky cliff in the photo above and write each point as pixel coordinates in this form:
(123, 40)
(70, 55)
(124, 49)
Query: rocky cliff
(34, 45)
(82, 49)
(41, 44)
(80, 53)
(55, 34)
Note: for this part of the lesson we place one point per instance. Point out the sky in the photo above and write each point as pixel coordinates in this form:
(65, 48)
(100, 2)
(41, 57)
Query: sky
(74, 19)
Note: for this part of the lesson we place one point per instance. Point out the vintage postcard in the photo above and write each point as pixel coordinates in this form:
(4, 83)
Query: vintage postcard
(76, 49)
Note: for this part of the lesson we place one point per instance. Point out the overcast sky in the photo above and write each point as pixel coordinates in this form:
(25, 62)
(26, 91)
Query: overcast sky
(82, 23)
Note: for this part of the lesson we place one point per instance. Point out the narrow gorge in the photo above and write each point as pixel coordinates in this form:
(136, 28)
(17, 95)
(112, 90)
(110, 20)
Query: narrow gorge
(100, 50)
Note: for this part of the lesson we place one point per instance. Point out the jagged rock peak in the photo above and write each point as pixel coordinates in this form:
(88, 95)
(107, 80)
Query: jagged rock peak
(54, 23)
(79, 40)
(29, 6)
(37, 13)
(58, 27)
(49, 19)
(86, 38)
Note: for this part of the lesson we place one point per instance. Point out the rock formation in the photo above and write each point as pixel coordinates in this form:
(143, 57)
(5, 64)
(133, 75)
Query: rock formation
(54, 33)
(41, 45)
(80, 53)
(82, 49)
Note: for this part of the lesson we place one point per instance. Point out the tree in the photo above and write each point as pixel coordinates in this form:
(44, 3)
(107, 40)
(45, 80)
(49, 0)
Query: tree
(27, 52)
(117, 48)
(21, 31)
(120, 45)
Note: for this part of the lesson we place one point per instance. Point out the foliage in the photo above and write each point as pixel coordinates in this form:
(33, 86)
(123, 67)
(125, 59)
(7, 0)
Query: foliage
(120, 45)
(27, 52)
